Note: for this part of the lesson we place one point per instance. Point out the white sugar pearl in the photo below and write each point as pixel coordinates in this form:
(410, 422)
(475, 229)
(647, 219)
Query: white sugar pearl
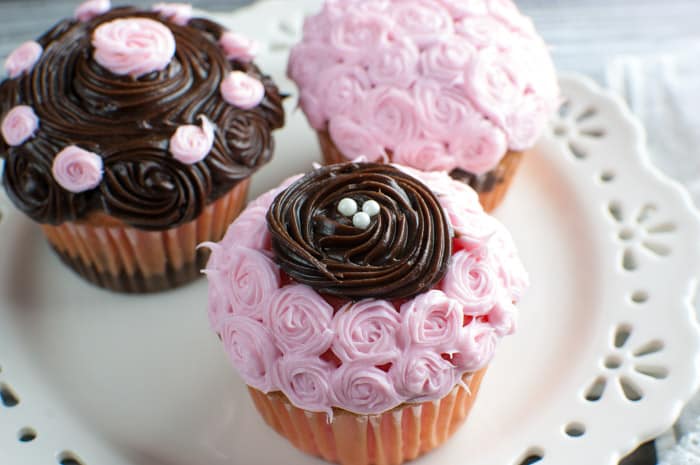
(347, 207)
(361, 220)
(371, 207)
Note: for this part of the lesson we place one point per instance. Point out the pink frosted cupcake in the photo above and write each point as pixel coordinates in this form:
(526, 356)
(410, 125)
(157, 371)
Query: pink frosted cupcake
(361, 304)
(463, 86)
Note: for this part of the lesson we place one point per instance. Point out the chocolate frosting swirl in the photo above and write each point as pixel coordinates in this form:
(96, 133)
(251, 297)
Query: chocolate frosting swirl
(403, 253)
(129, 123)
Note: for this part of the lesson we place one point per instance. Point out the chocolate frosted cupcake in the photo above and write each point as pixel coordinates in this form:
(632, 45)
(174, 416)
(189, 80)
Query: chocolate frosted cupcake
(131, 136)
(363, 308)
(463, 86)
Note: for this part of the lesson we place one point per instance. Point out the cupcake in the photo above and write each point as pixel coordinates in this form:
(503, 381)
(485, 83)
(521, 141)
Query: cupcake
(130, 136)
(362, 304)
(463, 86)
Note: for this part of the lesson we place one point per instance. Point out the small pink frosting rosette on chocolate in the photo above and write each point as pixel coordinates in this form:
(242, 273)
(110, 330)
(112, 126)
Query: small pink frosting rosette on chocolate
(191, 144)
(23, 59)
(133, 46)
(77, 170)
(239, 47)
(370, 355)
(91, 9)
(19, 125)
(178, 13)
(434, 84)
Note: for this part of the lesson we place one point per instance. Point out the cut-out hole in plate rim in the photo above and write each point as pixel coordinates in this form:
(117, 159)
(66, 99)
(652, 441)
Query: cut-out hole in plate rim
(532, 456)
(607, 176)
(110, 399)
(26, 434)
(575, 430)
(8, 398)
(639, 297)
(68, 458)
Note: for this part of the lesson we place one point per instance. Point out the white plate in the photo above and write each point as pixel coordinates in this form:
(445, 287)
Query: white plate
(611, 244)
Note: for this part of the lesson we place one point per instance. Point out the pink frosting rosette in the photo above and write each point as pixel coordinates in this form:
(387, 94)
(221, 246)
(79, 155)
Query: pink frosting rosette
(432, 320)
(391, 114)
(372, 355)
(250, 346)
(344, 86)
(191, 144)
(369, 390)
(91, 9)
(479, 147)
(77, 170)
(23, 59)
(249, 278)
(250, 229)
(446, 60)
(178, 13)
(359, 32)
(432, 156)
(443, 114)
(422, 375)
(242, 91)
(494, 84)
(464, 217)
(299, 320)
(133, 46)
(353, 140)
(472, 281)
(480, 81)
(239, 47)
(396, 63)
(503, 318)
(19, 125)
(367, 331)
(305, 381)
(477, 347)
(424, 21)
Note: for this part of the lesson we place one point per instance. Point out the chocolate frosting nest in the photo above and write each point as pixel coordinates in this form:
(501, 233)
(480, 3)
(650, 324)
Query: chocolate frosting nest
(129, 123)
(403, 253)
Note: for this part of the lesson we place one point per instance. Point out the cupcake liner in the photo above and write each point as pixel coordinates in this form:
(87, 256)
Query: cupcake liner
(491, 186)
(499, 180)
(124, 259)
(331, 154)
(391, 438)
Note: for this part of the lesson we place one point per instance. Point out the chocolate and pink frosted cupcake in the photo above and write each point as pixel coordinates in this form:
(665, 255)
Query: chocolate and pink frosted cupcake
(362, 304)
(463, 86)
(131, 136)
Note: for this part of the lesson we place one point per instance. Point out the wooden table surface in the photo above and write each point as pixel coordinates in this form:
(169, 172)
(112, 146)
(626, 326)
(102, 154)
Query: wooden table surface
(584, 34)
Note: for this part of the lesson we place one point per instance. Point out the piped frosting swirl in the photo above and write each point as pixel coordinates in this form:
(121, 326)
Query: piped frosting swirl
(403, 252)
(129, 122)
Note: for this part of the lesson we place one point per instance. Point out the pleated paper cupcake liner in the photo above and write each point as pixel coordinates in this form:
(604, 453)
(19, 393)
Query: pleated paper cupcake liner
(125, 259)
(391, 438)
(503, 176)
